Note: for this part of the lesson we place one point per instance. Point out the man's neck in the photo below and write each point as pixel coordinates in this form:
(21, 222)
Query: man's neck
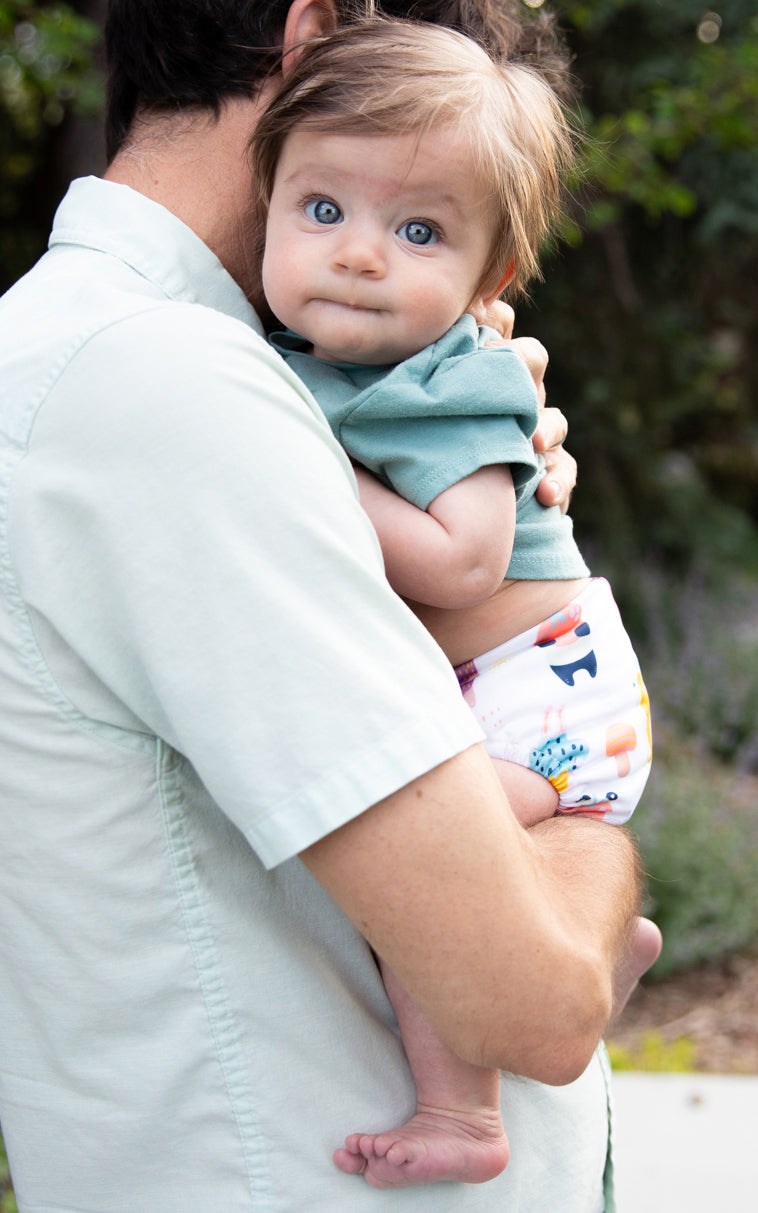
(198, 167)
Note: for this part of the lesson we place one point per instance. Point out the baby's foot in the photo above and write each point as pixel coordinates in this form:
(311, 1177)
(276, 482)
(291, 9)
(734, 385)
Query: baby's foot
(436, 1144)
(643, 951)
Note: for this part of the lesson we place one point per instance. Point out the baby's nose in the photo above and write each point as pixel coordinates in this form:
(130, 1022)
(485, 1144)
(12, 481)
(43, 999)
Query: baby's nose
(361, 253)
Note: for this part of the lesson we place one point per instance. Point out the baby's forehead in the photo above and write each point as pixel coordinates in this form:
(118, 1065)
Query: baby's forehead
(436, 166)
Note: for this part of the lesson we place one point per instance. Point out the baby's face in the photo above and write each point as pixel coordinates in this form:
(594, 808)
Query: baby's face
(374, 244)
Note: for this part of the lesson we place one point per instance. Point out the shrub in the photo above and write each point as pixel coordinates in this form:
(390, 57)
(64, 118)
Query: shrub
(654, 1054)
(698, 833)
(7, 1199)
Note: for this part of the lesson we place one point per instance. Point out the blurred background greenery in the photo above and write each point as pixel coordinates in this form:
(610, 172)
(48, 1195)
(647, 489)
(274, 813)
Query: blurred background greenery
(51, 94)
(649, 310)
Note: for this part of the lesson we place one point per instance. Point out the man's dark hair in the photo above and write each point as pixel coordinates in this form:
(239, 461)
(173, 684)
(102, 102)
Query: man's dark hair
(165, 56)
(169, 55)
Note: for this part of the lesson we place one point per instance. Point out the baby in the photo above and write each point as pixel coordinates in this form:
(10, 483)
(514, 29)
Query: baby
(407, 179)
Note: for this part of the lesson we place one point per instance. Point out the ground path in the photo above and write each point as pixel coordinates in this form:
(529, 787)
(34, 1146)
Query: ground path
(715, 1007)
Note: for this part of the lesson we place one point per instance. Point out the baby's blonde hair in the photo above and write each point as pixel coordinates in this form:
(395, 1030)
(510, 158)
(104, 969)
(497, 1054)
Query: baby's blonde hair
(397, 77)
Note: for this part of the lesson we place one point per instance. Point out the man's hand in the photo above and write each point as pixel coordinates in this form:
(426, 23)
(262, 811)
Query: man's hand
(499, 316)
(559, 480)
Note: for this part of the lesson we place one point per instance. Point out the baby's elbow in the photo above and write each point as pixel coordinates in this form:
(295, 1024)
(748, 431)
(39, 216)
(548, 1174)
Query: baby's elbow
(473, 583)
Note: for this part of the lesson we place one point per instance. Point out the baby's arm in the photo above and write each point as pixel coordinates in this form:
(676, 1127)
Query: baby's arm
(453, 554)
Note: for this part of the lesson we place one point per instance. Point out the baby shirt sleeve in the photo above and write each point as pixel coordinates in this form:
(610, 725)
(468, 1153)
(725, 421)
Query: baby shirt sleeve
(441, 415)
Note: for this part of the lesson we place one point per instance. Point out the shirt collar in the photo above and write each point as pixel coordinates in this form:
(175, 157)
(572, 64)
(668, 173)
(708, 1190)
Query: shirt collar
(115, 219)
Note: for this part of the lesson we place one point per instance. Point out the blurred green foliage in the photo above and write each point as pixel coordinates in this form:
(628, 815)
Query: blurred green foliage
(697, 824)
(649, 308)
(656, 1055)
(7, 1199)
(46, 73)
(699, 842)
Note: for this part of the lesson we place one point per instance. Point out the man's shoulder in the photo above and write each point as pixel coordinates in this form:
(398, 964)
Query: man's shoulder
(84, 321)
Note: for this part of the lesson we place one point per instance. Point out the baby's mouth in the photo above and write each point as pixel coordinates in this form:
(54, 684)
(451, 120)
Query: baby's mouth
(353, 305)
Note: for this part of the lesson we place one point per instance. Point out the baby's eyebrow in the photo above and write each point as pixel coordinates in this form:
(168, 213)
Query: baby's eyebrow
(310, 170)
(432, 199)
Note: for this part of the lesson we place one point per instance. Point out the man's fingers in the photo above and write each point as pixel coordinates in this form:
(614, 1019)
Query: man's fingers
(559, 480)
(552, 431)
(500, 316)
(534, 355)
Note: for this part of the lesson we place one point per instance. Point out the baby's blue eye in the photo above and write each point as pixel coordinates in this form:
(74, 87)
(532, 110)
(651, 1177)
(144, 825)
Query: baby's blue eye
(323, 210)
(416, 232)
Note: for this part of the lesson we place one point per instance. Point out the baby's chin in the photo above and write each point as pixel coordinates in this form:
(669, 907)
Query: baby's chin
(363, 353)
(353, 357)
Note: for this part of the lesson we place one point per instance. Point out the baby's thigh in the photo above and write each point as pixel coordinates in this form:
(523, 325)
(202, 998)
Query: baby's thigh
(531, 796)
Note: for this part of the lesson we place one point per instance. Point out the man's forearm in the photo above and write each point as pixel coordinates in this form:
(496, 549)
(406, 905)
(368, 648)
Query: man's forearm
(506, 939)
(599, 887)
(576, 846)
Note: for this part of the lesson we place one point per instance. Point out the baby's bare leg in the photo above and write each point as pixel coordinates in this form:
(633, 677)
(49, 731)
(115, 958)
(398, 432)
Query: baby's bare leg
(531, 796)
(456, 1134)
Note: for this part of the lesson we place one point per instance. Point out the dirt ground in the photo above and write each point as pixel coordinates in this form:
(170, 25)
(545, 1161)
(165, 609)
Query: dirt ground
(715, 1007)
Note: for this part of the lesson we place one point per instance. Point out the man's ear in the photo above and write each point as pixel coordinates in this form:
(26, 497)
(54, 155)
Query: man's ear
(306, 19)
(480, 304)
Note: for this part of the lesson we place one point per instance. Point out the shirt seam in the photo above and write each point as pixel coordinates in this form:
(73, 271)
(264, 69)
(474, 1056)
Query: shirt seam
(213, 988)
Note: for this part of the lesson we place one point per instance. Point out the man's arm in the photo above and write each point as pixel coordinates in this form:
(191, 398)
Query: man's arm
(506, 939)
